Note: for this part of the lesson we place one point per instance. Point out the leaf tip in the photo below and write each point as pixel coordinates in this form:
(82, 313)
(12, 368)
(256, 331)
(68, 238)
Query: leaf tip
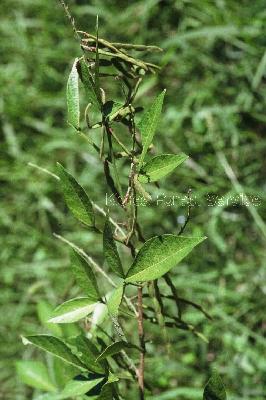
(24, 340)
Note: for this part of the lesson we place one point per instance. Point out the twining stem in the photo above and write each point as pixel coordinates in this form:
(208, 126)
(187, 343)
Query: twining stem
(142, 344)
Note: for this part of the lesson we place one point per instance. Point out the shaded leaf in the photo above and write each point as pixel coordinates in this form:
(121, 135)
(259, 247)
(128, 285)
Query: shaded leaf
(78, 388)
(214, 389)
(84, 276)
(87, 353)
(107, 392)
(73, 96)
(55, 346)
(88, 83)
(76, 198)
(114, 348)
(72, 310)
(148, 125)
(115, 299)
(111, 108)
(110, 250)
(35, 374)
(160, 166)
(158, 255)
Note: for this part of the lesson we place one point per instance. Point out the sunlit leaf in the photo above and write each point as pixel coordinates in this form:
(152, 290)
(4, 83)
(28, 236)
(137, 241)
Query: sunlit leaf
(72, 310)
(148, 125)
(84, 276)
(110, 250)
(76, 198)
(158, 255)
(35, 374)
(114, 301)
(73, 97)
(214, 389)
(160, 166)
(55, 346)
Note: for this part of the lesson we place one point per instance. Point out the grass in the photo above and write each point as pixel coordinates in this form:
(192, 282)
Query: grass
(214, 69)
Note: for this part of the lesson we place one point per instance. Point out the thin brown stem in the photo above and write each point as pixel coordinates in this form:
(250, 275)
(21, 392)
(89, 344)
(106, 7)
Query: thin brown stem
(142, 344)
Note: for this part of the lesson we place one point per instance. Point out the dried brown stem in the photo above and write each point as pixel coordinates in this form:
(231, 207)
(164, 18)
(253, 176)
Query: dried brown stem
(142, 344)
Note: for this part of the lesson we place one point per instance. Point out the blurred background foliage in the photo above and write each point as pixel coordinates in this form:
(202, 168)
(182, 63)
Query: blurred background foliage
(214, 69)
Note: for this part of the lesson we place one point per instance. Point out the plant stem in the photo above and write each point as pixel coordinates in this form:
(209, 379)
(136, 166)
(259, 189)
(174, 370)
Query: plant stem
(142, 344)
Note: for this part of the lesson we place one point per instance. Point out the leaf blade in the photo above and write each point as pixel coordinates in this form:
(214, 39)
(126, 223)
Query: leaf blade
(160, 166)
(56, 347)
(84, 276)
(76, 198)
(78, 388)
(73, 97)
(35, 374)
(152, 262)
(148, 124)
(113, 349)
(110, 250)
(88, 352)
(214, 388)
(72, 310)
(114, 301)
(88, 83)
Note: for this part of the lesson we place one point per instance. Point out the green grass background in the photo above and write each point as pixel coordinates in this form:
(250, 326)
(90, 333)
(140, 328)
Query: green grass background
(214, 69)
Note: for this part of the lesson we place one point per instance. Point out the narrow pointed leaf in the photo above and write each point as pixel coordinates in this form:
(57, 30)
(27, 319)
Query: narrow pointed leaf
(72, 310)
(35, 374)
(114, 301)
(110, 250)
(73, 97)
(214, 389)
(158, 255)
(88, 83)
(114, 348)
(88, 353)
(55, 346)
(148, 125)
(76, 198)
(107, 392)
(84, 276)
(78, 388)
(160, 166)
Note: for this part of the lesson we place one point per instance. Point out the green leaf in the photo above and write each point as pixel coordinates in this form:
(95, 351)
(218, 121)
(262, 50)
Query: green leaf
(55, 346)
(88, 83)
(84, 276)
(72, 310)
(106, 392)
(148, 125)
(44, 311)
(111, 109)
(35, 374)
(87, 352)
(73, 96)
(110, 250)
(160, 166)
(113, 349)
(76, 198)
(114, 300)
(78, 388)
(214, 389)
(100, 313)
(158, 255)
